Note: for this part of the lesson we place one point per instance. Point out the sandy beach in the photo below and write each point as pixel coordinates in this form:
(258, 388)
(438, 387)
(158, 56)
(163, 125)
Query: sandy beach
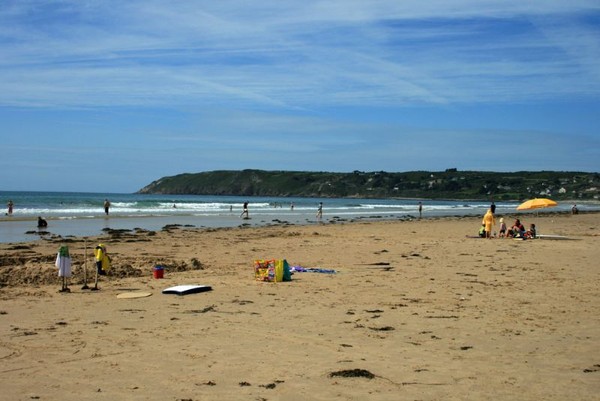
(415, 311)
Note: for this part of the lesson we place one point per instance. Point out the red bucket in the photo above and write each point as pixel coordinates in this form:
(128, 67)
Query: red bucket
(158, 272)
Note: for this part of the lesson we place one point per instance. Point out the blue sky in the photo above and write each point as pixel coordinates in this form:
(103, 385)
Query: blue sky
(107, 96)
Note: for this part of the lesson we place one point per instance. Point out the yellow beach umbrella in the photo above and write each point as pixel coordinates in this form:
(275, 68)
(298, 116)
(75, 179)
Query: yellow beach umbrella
(537, 203)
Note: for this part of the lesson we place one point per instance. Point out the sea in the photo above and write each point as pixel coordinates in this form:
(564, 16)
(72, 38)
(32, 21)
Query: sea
(81, 214)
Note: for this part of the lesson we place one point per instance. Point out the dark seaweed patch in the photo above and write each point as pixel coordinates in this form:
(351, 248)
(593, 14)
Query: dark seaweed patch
(384, 328)
(353, 373)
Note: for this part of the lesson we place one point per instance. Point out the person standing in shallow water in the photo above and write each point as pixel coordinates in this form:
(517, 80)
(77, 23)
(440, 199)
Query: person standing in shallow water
(320, 211)
(245, 211)
(10, 206)
(420, 209)
(106, 206)
(42, 223)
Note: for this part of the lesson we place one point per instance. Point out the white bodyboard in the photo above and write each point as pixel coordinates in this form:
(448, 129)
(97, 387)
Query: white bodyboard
(186, 289)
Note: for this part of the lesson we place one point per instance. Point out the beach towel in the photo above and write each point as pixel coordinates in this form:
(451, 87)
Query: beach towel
(300, 269)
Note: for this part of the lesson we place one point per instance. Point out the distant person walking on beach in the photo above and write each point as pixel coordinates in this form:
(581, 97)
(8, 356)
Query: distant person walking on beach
(320, 211)
(493, 207)
(106, 206)
(10, 205)
(420, 209)
(245, 211)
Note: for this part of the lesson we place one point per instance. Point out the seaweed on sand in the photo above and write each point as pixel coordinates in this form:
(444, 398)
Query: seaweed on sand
(352, 373)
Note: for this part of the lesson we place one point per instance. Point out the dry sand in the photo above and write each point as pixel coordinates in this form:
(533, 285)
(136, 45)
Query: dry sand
(431, 314)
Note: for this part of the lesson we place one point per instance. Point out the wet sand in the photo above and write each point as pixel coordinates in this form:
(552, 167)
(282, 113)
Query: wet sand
(416, 311)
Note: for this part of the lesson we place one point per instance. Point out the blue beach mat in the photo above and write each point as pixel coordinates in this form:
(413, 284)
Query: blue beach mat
(300, 269)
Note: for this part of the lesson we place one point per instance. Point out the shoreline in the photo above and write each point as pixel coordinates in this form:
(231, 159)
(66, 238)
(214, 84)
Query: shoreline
(19, 230)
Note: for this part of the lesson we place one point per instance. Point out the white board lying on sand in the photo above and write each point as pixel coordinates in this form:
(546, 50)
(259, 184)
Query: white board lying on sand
(550, 236)
(186, 289)
(129, 295)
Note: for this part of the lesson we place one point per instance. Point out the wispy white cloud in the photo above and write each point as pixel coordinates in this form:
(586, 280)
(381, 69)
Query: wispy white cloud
(293, 55)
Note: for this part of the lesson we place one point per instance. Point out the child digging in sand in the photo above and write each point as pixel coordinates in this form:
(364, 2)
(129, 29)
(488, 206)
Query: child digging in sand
(482, 231)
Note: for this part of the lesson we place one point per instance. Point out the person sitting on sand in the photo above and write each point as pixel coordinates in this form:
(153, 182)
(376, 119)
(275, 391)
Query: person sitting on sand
(518, 230)
(42, 223)
(531, 233)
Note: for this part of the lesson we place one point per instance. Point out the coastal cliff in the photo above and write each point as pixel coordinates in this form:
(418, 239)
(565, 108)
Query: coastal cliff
(449, 184)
